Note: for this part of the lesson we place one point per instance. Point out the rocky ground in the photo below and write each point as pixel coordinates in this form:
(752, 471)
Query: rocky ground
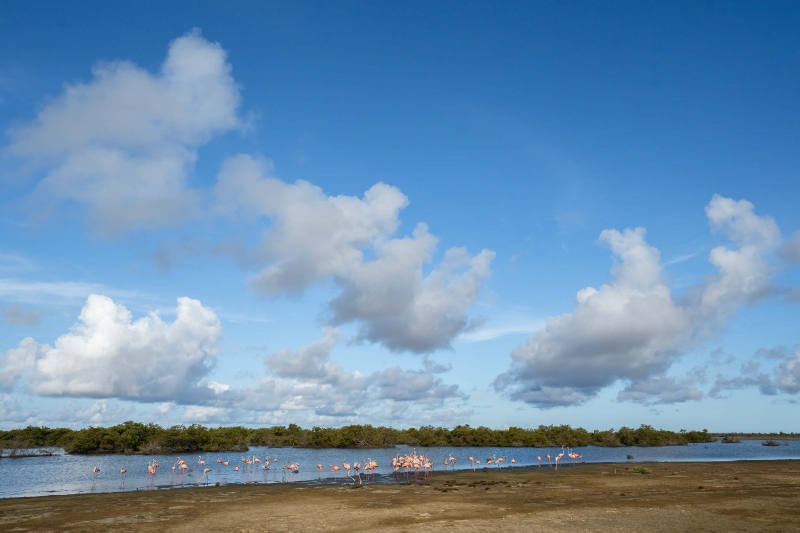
(740, 496)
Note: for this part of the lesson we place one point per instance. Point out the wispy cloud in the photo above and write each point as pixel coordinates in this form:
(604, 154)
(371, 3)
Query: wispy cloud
(10, 262)
(486, 333)
(682, 258)
(38, 292)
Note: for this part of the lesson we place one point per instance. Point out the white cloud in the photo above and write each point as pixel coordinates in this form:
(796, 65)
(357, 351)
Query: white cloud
(743, 272)
(214, 415)
(307, 380)
(20, 361)
(661, 389)
(107, 354)
(487, 332)
(308, 361)
(46, 292)
(123, 143)
(395, 305)
(632, 329)
(787, 374)
(14, 414)
(313, 237)
(629, 329)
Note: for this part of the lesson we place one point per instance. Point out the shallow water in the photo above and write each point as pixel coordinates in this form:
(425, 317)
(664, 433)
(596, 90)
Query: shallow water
(72, 474)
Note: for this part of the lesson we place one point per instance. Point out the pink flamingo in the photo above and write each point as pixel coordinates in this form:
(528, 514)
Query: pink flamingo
(559, 456)
(472, 460)
(539, 460)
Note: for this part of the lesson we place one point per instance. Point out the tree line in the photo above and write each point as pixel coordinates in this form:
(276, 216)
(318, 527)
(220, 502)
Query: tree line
(138, 438)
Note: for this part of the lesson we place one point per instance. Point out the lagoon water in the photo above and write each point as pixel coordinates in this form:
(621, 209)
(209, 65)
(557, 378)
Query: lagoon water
(72, 474)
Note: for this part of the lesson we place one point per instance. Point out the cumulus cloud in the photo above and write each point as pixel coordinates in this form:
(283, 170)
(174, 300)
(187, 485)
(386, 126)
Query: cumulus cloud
(787, 374)
(632, 328)
(750, 376)
(20, 361)
(743, 272)
(413, 385)
(313, 237)
(14, 414)
(123, 143)
(108, 355)
(308, 380)
(307, 362)
(661, 389)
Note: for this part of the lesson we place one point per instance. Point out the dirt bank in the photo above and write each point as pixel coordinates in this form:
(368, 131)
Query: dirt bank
(741, 496)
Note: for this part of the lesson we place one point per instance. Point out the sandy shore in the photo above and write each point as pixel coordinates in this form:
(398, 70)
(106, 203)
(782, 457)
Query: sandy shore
(740, 496)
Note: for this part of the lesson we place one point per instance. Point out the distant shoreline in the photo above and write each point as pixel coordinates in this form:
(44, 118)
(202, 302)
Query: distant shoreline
(53, 453)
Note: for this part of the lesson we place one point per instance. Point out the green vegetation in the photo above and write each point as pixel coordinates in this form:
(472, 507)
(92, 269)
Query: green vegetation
(135, 437)
(760, 436)
(640, 470)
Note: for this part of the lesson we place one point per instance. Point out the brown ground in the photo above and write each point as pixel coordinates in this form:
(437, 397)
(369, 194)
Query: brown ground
(741, 496)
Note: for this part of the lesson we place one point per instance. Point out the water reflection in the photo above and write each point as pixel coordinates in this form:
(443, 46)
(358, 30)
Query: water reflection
(70, 474)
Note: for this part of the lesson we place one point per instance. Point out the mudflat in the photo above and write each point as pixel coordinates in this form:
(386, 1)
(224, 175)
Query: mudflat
(737, 496)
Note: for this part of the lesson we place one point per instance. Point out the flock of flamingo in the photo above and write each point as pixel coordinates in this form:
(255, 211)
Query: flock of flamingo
(413, 464)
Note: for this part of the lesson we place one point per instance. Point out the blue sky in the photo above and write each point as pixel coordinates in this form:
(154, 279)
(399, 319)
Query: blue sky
(465, 213)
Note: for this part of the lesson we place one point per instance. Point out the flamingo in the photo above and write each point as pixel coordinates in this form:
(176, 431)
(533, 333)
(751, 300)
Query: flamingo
(539, 460)
(122, 475)
(472, 460)
(549, 464)
(559, 456)
(151, 472)
(95, 472)
(205, 475)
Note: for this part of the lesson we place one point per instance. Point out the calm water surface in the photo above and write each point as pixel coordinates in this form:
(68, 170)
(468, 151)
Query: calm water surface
(71, 474)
